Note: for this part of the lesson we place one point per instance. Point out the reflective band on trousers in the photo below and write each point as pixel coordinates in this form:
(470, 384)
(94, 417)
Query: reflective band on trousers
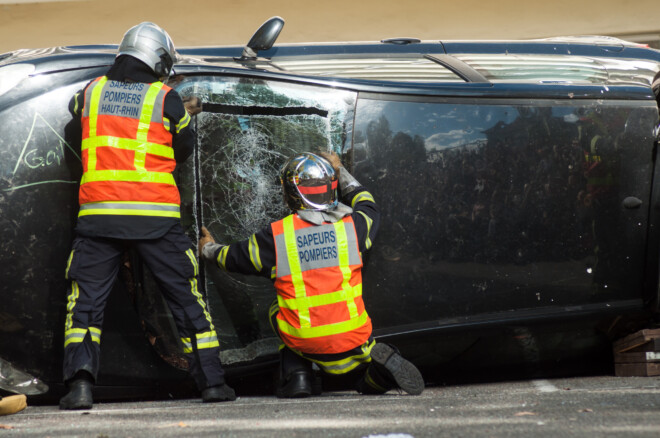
(203, 340)
(77, 335)
(343, 366)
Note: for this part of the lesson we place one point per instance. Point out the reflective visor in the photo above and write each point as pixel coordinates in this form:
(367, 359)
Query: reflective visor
(315, 190)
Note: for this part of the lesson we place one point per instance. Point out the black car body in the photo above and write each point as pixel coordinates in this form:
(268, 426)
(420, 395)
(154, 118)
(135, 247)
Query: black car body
(517, 182)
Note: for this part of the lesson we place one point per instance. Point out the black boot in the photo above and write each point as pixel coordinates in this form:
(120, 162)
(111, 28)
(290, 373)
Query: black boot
(80, 393)
(389, 370)
(297, 384)
(218, 393)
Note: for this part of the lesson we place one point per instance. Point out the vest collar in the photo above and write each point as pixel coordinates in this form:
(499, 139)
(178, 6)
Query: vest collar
(319, 217)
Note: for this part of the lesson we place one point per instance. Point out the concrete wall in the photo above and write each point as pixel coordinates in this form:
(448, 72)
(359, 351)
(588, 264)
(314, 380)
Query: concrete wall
(221, 22)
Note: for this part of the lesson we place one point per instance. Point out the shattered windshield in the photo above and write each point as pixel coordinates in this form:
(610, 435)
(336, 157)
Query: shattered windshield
(247, 130)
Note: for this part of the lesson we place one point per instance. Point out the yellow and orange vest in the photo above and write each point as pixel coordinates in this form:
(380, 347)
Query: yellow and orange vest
(127, 151)
(319, 286)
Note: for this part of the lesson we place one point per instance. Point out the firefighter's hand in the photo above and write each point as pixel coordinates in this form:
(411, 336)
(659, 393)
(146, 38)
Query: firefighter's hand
(193, 105)
(334, 160)
(204, 238)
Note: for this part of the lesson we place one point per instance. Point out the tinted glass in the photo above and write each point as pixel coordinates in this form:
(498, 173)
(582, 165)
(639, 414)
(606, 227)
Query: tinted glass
(391, 68)
(558, 68)
(493, 206)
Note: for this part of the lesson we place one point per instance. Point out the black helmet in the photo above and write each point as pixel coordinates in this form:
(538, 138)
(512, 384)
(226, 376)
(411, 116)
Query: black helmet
(309, 183)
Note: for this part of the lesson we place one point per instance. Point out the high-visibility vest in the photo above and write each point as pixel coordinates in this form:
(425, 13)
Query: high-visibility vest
(318, 280)
(127, 151)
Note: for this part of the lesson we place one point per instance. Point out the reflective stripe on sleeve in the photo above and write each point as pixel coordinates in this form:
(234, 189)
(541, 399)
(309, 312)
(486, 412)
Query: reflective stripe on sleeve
(253, 248)
(362, 196)
(222, 257)
(367, 243)
(185, 121)
(75, 103)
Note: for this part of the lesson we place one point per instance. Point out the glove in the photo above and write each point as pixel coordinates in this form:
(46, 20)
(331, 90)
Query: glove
(204, 238)
(333, 159)
(193, 105)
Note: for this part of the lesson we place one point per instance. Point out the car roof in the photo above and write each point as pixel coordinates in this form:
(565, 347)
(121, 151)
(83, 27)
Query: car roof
(402, 63)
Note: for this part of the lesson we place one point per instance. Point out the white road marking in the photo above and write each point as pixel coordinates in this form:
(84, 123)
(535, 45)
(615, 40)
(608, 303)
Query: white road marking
(544, 386)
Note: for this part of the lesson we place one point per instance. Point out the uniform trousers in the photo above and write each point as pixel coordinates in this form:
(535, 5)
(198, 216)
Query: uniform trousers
(357, 359)
(92, 269)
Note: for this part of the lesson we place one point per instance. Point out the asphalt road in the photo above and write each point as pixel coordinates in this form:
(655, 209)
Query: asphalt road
(576, 407)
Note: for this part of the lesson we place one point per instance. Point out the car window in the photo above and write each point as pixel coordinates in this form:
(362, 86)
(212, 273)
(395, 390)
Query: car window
(247, 130)
(497, 68)
(390, 68)
(492, 206)
(560, 68)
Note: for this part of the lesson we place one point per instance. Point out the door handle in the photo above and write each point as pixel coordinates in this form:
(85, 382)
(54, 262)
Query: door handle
(631, 202)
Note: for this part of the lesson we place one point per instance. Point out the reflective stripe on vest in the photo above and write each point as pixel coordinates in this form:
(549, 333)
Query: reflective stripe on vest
(319, 266)
(124, 123)
(130, 209)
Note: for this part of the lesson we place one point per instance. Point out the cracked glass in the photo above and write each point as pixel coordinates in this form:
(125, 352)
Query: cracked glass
(247, 130)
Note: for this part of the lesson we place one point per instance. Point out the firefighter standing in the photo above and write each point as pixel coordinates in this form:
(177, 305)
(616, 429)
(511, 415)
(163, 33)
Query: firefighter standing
(313, 256)
(134, 132)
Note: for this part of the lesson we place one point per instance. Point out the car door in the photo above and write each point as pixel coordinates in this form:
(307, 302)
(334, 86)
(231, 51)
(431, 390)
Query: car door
(497, 209)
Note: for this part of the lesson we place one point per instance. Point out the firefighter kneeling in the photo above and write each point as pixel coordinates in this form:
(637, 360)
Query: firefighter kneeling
(313, 256)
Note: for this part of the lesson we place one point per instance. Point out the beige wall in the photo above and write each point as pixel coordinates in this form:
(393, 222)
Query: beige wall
(222, 22)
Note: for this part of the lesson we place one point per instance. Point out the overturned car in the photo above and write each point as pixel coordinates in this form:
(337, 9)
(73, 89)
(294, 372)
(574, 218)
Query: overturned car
(517, 181)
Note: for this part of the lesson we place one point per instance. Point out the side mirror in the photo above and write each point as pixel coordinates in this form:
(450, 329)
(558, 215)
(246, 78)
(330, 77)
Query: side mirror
(263, 38)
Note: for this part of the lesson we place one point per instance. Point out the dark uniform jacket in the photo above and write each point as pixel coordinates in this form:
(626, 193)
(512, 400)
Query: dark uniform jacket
(129, 69)
(256, 255)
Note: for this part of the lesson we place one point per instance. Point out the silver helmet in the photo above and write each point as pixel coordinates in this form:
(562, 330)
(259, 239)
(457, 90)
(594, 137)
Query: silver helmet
(150, 44)
(309, 183)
